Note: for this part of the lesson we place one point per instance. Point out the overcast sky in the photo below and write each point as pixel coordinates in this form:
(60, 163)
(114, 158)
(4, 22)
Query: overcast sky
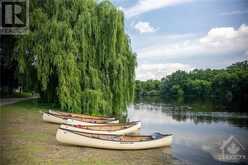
(169, 35)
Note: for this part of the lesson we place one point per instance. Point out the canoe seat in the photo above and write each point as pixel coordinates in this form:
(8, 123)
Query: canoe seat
(156, 135)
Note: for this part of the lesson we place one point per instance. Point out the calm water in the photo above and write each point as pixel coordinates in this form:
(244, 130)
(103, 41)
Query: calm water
(199, 130)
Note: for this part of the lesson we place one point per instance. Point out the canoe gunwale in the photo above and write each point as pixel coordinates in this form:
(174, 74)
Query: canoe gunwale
(76, 119)
(122, 125)
(69, 114)
(151, 139)
(107, 124)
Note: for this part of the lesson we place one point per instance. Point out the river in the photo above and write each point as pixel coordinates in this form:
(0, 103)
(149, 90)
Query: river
(203, 134)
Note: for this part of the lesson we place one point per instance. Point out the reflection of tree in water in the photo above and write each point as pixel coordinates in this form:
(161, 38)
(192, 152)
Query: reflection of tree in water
(209, 118)
(183, 113)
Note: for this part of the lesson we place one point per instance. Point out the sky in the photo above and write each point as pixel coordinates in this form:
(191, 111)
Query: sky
(171, 35)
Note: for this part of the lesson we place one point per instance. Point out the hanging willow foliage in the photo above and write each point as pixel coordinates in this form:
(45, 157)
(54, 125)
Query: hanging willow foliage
(81, 55)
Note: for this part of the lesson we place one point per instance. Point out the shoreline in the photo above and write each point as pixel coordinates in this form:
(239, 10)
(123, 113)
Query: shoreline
(26, 139)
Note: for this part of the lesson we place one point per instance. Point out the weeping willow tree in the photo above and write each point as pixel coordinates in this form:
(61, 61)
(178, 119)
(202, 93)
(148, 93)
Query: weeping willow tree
(80, 55)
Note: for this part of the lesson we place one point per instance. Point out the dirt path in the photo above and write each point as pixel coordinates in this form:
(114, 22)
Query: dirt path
(26, 139)
(7, 101)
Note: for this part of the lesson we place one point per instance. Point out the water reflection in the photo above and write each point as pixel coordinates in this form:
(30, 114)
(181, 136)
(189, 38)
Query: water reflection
(195, 112)
(198, 128)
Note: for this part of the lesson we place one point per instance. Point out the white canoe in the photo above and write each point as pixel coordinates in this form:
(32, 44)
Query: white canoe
(118, 142)
(71, 120)
(79, 115)
(116, 129)
(78, 122)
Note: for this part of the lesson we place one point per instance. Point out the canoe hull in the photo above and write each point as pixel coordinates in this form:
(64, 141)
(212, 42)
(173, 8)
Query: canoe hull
(71, 138)
(77, 122)
(131, 129)
(54, 119)
(80, 115)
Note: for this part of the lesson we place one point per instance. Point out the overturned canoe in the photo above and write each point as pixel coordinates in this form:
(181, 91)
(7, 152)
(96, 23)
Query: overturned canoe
(118, 142)
(48, 117)
(117, 129)
(79, 115)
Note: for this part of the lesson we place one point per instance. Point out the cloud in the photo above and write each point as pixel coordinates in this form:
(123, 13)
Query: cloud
(219, 40)
(143, 6)
(157, 71)
(144, 27)
(226, 39)
(246, 54)
(236, 12)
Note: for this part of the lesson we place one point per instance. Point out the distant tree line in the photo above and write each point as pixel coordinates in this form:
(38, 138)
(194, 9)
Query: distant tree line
(147, 88)
(230, 84)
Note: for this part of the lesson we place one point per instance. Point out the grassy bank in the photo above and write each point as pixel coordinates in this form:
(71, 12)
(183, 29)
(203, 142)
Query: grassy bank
(26, 139)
